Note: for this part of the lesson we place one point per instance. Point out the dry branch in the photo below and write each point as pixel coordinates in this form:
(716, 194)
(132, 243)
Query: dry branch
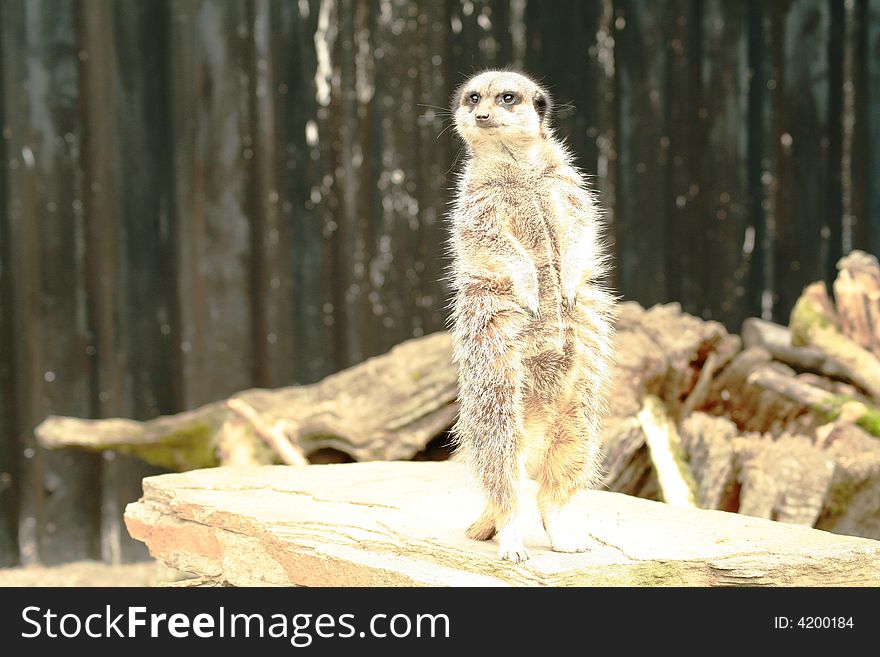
(676, 482)
(273, 435)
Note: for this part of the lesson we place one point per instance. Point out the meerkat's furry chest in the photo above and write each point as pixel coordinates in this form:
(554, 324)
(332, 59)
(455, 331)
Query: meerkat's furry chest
(526, 201)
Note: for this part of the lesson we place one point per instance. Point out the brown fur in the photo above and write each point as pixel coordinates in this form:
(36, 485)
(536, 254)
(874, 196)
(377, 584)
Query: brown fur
(531, 323)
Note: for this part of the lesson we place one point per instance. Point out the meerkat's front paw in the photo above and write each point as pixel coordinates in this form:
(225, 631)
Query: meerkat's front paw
(510, 544)
(566, 533)
(569, 291)
(516, 554)
(526, 291)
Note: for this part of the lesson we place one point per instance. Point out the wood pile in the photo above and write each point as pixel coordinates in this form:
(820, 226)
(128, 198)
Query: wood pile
(780, 422)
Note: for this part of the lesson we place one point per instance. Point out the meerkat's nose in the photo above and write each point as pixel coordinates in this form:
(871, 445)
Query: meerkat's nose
(482, 116)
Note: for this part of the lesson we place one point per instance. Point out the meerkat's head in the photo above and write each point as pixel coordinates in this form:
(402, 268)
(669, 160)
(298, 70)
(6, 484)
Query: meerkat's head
(495, 108)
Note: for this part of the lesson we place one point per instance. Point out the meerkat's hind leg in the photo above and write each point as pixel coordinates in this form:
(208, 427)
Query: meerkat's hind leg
(570, 464)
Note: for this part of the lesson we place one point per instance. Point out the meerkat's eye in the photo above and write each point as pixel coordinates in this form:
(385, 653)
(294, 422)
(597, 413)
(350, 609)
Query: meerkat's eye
(474, 98)
(508, 98)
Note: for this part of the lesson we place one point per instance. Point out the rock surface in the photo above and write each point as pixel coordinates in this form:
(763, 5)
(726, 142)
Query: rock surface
(93, 573)
(402, 524)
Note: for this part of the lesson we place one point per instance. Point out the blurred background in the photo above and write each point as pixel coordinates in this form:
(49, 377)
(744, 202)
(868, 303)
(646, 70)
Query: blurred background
(202, 196)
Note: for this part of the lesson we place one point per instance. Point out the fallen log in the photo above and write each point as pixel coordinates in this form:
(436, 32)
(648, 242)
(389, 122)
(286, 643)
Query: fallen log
(857, 299)
(708, 443)
(852, 505)
(815, 323)
(764, 396)
(785, 479)
(825, 405)
(776, 339)
(626, 465)
(388, 407)
(686, 342)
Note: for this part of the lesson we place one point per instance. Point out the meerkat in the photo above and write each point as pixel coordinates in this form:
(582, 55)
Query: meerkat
(531, 321)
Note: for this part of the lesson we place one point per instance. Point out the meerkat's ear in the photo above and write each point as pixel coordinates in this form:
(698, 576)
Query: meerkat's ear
(540, 102)
(542, 106)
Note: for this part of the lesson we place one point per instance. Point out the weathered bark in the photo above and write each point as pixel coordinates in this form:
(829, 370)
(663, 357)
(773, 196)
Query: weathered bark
(698, 395)
(814, 322)
(751, 407)
(857, 299)
(852, 505)
(708, 443)
(686, 341)
(785, 479)
(387, 407)
(640, 365)
(628, 468)
(776, 339)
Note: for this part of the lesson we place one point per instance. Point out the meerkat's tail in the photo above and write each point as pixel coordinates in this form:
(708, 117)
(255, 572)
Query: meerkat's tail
(483, 528)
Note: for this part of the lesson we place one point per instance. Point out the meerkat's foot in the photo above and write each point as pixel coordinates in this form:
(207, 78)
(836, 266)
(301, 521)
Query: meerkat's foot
(566, 532)
(510, 543)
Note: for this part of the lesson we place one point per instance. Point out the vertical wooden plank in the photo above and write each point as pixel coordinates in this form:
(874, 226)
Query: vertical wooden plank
(606, 137)
(807, 240)
(729, 294)
(271, 283)
(403, 269)
(563, 54)
(480, 36)
(640, 223)
(834, 211)
(8, 423)
(303, 183)
(139, 35)
(871, 61)
(101, 171)
(436, 151)
(145, 323)
(126, 243)
(684, 138)
(761, 208)
(212, 153)
(349, 200)
(59, 493)
(865, 77)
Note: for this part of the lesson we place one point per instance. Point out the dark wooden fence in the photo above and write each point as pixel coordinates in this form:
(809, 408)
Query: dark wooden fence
(198, 197)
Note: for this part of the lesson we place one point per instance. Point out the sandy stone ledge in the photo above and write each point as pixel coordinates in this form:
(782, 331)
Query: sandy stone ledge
(402, 524)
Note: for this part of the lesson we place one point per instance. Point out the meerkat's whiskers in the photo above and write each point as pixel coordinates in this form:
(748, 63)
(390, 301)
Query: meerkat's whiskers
(455, 160)
(451, 125)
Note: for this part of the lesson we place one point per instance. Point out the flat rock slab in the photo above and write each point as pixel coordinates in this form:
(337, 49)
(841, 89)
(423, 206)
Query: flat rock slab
(402, 524)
